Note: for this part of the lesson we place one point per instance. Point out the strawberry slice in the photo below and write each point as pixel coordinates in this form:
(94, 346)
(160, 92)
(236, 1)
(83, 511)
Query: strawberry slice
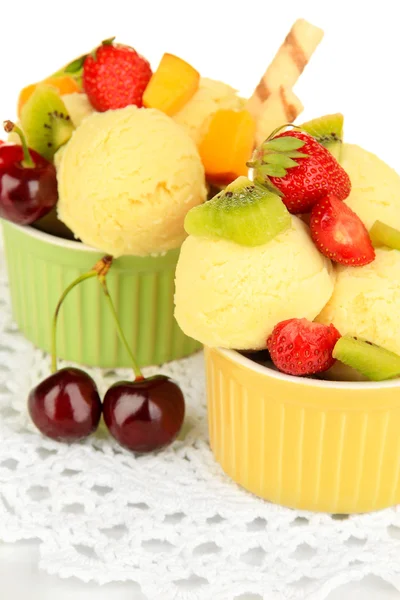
(300, 347)
(340, 234)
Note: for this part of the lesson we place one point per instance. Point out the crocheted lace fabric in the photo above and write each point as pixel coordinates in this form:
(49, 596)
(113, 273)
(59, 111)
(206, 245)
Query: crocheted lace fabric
(172, 521)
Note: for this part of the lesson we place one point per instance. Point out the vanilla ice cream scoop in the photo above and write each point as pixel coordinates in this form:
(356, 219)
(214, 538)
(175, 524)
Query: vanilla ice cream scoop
(126, 180)
(366, 301)
(232, 296)
(211, 96)
(375, 187)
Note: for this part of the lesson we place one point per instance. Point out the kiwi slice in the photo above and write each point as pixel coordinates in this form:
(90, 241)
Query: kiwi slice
(384, 235)
(213, 189)
(374, 362)
(45, 121)
(244, 212)
(328, 131)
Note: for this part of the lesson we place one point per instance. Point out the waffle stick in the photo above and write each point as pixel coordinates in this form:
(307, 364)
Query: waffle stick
(285, 69)
(282, 106)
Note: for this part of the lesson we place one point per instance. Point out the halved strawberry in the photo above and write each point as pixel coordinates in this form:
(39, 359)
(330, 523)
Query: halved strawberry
(300, 347)
(340, 234)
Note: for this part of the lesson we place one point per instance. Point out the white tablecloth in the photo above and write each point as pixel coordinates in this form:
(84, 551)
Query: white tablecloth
(19, 573)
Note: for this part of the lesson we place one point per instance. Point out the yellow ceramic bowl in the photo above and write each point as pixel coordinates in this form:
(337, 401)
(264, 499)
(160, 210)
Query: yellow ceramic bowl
(304, 443)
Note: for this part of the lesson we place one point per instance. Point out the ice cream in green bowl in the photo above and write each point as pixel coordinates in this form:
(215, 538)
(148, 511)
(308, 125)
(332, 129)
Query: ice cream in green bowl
(40, 266)
(126, 179)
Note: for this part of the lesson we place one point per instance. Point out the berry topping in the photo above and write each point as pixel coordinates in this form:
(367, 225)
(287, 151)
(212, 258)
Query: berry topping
(300, 347)
(300, 169)
(340, 234)
(115, 76)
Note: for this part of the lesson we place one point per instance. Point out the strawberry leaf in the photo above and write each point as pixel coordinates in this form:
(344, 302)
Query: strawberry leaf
(281, 160)
(108, 42)
(76, 65)
(284, 144)
(273, 170)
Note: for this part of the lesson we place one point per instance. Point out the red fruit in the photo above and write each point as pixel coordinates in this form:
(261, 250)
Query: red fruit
(340, 234)
(26, 192)
(146, 414)
(301, 169)
(300, 347)
(66, 406)
(115, 76)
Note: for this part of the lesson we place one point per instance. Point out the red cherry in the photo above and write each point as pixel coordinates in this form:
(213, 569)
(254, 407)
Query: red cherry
(28, 182)
(66, 406)
(146, 414)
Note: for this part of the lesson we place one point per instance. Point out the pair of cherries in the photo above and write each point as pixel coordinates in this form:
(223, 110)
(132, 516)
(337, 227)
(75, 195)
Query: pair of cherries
(142, 415)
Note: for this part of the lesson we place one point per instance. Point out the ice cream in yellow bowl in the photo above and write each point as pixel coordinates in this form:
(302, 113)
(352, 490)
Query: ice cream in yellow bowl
(300, 317)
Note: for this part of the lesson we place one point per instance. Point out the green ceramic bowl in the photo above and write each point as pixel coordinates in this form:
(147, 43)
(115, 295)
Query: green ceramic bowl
(40, 266)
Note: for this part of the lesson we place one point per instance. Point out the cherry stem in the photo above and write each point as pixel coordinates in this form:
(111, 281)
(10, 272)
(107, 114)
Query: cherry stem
(77, 281)
(100, 269)
(136, 369)
(10, 127)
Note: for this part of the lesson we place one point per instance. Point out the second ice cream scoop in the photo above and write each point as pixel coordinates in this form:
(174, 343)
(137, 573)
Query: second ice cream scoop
(126, 180)
(232, 296)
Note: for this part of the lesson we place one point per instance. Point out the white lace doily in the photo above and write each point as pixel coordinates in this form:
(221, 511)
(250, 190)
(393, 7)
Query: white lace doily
(171, 522)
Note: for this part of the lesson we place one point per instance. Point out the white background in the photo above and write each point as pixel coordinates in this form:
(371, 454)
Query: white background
(356, 70)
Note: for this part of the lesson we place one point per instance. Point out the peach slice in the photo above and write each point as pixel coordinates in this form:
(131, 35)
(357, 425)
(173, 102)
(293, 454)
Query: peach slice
(171, 86)
(64, 84)
(227, 145)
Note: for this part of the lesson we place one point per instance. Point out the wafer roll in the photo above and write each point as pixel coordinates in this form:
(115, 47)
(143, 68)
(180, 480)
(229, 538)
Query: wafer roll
(287, 65)
(282, 106)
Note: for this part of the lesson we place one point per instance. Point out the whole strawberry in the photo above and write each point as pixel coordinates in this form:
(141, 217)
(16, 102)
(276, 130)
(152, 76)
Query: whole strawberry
(300, 169)
(300, 347)
(115, 76)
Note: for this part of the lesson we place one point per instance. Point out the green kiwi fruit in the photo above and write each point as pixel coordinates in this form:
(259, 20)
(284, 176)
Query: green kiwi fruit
(244, 212)
(328, 131)
(384, 235)
(45, 121)
(213, 189)
(374, 362)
